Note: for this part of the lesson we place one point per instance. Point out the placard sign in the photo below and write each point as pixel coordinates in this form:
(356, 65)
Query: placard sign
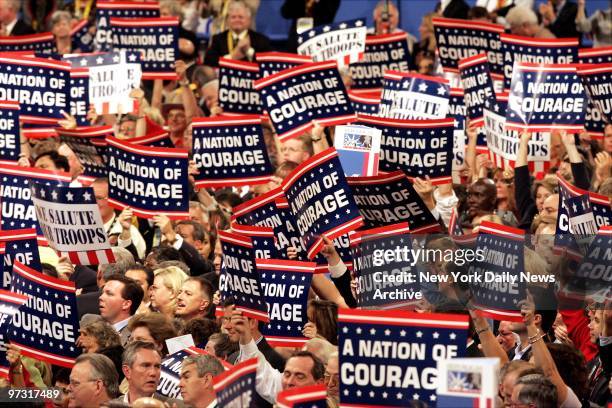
(297, 96)
(285, 286)
(150, 180)
(386, 52)
(47, 326)
(106, 9)
(10, 144)
(404, 345)
(418, 147)
(40, 86)
(343, 42)
(236, 92)
(459, 39)
(537, 51)
(544, 97)
(390, 199)
(273, 62)
(320, 200)
(230, 151)
(500, 278)
(413, 96)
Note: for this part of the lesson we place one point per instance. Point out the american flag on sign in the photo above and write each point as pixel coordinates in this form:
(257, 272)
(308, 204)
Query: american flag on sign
(312, 396)
(79, 95)
(18, 245)
(370, 341)
(417, 147)
(372, 293)
(262, 239)
(544, 97)
(477, 87)
(105, 10)
(230, 151)
(10, 144)
(89, 146)
(52, 303)
(70, 220)
(458, 39)
(10, 303)
(273, 62)
(40, 85)
(389, 199)
(239, 270)
(599, 55)
(285, 286)
(236, 386)
(150, 180)
(456, 232)
(413, 96)
(597, 81)
(503, 143)
(320, 200)
(536, 50)
(505, 244)
(156, 39)
(343, 42)
(264, 211)
(296, 97)
(112, 76)
(365, 103)
(43, 43)
(17, 208)
(382, 53)
(236, 93)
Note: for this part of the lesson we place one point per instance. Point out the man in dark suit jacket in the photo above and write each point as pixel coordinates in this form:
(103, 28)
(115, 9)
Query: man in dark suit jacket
(9, 23)
(238, 42)
(560, 18)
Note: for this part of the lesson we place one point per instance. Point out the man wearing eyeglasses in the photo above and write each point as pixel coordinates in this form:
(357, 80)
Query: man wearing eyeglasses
(93, 381)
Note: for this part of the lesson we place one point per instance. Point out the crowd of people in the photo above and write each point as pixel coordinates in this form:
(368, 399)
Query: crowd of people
(165, 280)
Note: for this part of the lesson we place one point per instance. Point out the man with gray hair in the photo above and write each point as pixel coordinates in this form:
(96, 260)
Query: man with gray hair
(141, 365)
(196, 385)
(524, 21)
(93, 381)
(238, 42)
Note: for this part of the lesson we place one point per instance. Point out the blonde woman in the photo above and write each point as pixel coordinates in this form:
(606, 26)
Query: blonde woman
(166, 286)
